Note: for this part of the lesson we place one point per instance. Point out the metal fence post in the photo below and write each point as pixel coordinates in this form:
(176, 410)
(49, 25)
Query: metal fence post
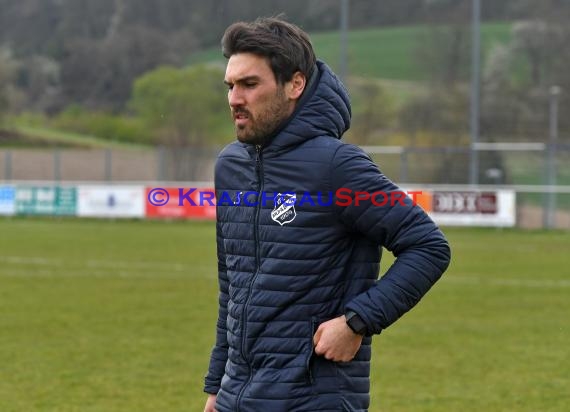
(549, 213)
(404, 165)
(56, 165)
(108, 165)
(161, 169)
(8, 165)
(343, 63)
(475, 91)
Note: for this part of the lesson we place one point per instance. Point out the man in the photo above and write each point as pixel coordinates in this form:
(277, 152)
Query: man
(299, 296)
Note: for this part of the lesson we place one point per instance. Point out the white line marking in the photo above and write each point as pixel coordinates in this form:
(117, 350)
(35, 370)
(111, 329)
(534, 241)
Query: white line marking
(91, 263)
(200, 272)
(153, 269)
(30, 260)
(530, 283)
(33, 266)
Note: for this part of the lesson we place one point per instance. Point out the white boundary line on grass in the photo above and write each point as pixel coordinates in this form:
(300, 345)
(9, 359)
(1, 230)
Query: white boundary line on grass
(36, 266)
(106, 268)
(97, 264)
(199, 272)
(517, 282)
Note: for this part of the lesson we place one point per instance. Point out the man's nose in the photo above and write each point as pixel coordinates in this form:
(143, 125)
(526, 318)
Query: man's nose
(235, 97)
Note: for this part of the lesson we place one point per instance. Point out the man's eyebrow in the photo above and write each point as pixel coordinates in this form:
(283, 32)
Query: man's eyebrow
(243, 80)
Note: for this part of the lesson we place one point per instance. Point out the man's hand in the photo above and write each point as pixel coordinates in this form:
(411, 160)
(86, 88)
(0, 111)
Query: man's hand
(210, 404)
(336, 341)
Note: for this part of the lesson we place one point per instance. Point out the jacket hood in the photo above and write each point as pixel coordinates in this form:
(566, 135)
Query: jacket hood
(323, 110)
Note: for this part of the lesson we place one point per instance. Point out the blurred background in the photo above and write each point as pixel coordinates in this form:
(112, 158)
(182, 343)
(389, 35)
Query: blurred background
(101, 101)
(443, 91)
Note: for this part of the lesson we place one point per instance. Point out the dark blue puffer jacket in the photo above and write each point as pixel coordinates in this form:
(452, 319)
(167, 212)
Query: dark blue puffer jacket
(281, 274)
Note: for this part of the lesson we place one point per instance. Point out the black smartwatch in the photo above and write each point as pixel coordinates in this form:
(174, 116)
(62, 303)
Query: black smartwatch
(355, 323)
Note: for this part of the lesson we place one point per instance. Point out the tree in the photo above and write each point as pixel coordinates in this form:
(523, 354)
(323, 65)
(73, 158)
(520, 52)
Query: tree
(187, 111)
(4, 82)
(7, 70)
(536, 41)
(185, 107)
(441, 112)
(39, 80)
(518, 77)
(373, 111)
(444, 49)
(100, 74)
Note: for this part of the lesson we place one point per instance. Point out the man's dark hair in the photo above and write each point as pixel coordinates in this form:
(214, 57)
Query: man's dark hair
(287, 47)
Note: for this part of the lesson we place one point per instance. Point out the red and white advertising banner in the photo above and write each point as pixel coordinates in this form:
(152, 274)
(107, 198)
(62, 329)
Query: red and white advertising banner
(180, 203)
(447, 207)
(470, 208)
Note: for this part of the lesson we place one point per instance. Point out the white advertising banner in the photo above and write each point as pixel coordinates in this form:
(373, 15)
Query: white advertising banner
(474, 208)
(111, 201)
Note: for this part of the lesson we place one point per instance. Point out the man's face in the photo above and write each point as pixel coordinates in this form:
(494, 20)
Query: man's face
(258, 103)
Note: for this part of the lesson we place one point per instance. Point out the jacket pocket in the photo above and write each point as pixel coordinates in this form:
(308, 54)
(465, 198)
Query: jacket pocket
(313, 326)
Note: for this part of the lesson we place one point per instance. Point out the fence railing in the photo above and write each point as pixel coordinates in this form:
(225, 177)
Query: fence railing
(538, 172)
(157, 164)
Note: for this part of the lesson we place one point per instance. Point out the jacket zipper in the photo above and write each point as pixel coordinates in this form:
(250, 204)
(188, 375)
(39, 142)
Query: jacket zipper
(259, 172)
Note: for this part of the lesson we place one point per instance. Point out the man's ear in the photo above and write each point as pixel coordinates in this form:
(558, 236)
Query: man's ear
(296, 85)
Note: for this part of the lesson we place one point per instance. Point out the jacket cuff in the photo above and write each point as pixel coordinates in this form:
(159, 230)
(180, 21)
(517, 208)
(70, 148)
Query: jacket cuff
(370, 331)
(211, 389)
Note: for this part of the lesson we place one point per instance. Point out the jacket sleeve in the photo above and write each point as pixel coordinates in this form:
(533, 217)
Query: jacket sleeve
(219, 354)
(394, 222)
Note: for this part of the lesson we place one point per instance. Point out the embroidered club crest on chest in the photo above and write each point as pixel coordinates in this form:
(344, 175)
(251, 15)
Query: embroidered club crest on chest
(284, 208)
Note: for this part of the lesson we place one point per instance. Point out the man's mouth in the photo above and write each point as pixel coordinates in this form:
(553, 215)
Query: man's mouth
(240, 118)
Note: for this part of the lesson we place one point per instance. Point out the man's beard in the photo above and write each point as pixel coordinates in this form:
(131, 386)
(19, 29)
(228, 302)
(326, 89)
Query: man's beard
(265, 123)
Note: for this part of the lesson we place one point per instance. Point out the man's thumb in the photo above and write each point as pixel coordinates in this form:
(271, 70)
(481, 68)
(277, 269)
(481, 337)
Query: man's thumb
(317, 337)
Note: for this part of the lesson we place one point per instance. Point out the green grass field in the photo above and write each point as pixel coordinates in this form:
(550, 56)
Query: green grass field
(118, 316)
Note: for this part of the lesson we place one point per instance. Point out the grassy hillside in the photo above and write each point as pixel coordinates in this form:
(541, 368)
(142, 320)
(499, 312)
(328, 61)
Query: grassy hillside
(36, 130)
(41, 136)
(388, 53)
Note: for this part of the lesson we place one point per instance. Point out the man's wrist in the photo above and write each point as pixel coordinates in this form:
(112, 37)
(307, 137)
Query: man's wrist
(355, 323)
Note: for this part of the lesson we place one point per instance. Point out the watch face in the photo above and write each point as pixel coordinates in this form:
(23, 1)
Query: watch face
(356, 323)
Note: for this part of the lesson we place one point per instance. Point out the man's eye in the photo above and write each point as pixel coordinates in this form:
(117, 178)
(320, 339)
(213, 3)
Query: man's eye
(250, 85)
